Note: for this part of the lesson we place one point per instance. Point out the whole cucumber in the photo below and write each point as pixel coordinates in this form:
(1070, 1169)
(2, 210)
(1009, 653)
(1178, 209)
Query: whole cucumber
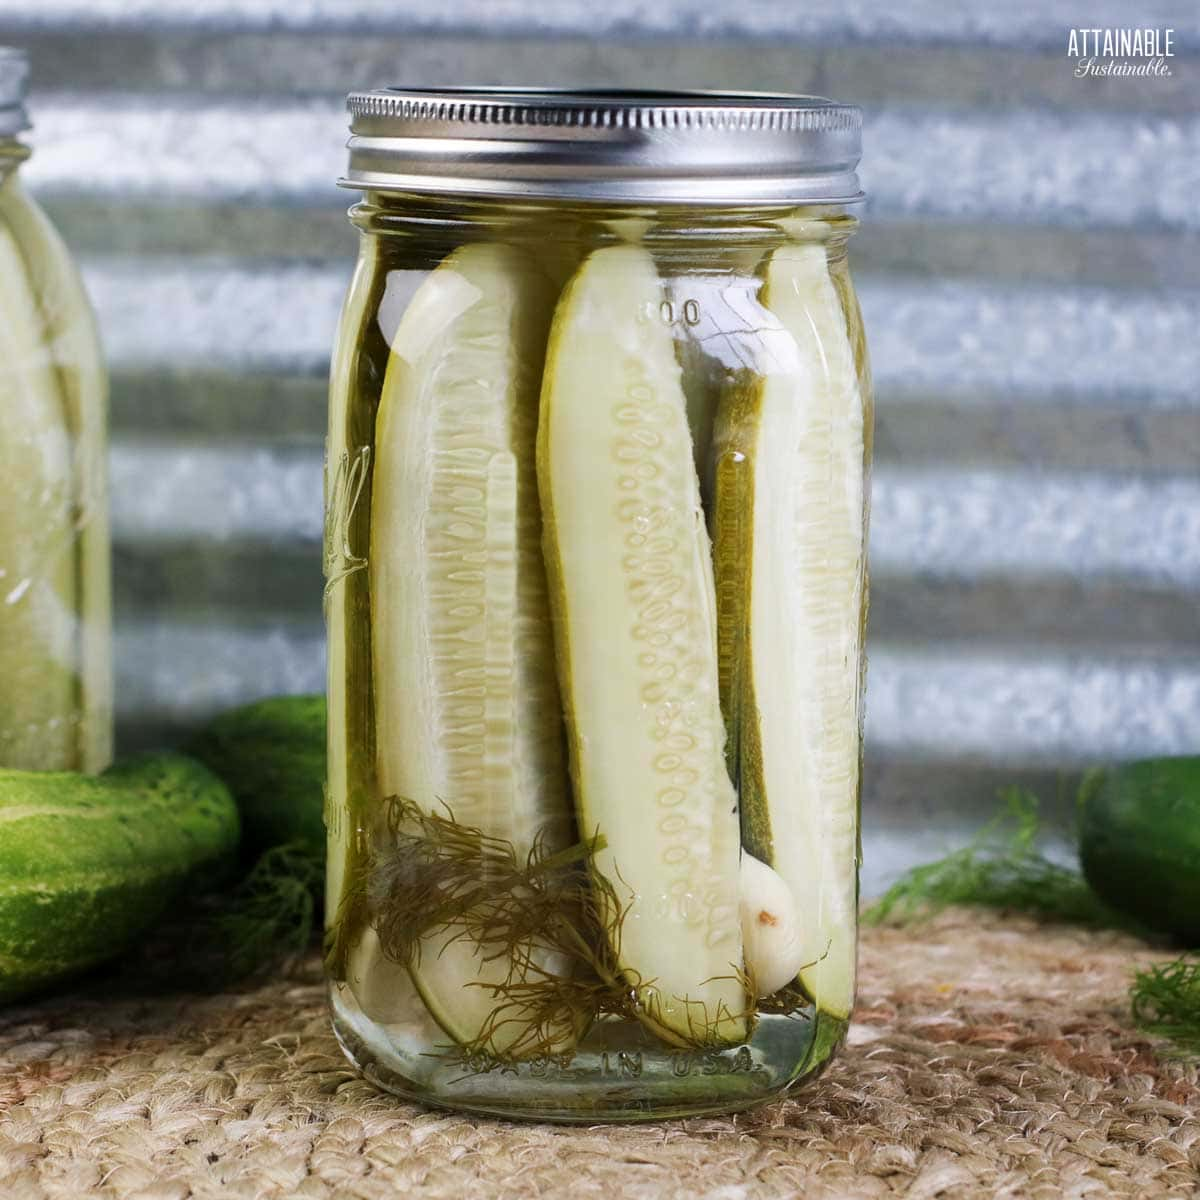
(1139, 842)
(272, 755)
(88, 863)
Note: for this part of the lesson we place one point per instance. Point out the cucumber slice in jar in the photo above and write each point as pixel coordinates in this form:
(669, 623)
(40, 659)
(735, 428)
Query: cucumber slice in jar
(38, 621)
(467, 717)
(789, 551)
(350, 727)
(631, 589)
(715, 314)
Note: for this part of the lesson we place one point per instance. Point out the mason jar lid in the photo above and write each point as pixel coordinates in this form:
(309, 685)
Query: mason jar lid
(14, 76)
(714, 148)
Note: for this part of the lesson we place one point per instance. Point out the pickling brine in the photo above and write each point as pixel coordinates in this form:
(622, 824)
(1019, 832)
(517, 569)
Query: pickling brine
(596, 501)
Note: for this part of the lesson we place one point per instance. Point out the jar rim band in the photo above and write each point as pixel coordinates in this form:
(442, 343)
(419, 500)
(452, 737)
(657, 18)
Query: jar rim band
(652, 147)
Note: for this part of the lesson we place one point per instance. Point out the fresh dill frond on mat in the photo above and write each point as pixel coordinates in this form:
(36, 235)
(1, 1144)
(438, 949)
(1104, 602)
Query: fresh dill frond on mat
(1003, 868)
(261, 922)
(1165, 999)
(269, 917)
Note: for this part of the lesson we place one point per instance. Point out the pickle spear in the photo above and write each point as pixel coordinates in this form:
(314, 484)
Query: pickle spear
(632, 594)
(39, 701)
(70, 329)
(350, 729)
(789, 554)
(468, 722)
(715, 313)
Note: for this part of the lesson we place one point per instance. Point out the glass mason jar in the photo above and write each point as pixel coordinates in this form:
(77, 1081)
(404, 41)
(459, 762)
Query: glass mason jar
(55, 591)
(596, 491)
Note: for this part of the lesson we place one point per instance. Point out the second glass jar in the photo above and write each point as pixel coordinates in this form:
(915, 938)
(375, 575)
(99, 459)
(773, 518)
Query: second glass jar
(596, 590)
(56, 698)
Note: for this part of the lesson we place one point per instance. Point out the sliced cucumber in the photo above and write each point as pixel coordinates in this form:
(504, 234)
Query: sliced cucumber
(714, 314)
(790, 562)
(384, 991)
(69, 329)
(632, 594)
(466, 703)
(350, 731)
(39, 706)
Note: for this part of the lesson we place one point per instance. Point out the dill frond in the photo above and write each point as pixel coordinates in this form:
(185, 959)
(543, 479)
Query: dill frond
(271, 914)
(1165, 999)
(791, 1000)
(548, 916)
(1001, 867)
(553, 926)
(266, 919)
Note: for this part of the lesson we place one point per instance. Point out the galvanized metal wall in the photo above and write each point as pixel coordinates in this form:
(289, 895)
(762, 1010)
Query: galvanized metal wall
(1029, 273)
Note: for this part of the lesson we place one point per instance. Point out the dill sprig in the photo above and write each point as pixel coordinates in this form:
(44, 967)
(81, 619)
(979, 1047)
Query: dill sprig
(1001, 867)
(791, 1000)
(550, 926)
(266, 919)
(1165, 999)
(547, 920)
(270, 916)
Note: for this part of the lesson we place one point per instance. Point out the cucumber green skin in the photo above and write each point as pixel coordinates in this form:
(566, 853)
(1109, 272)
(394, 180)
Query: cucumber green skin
(88, 863)
(733, 531)
(271, 754)
(1139, 843)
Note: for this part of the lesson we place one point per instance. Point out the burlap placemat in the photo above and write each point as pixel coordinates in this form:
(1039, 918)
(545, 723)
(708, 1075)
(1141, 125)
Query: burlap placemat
(989, 1057)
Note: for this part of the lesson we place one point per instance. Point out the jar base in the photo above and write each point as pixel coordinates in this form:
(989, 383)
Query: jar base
(617, 1074)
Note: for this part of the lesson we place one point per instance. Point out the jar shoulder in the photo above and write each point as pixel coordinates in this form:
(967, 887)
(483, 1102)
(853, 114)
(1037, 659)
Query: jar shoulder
(53, 277)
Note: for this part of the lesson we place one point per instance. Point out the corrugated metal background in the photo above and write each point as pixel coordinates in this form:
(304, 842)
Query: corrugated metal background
(1028, 270)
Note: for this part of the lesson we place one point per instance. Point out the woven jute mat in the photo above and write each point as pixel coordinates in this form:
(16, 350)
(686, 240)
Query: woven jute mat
(989, 1057)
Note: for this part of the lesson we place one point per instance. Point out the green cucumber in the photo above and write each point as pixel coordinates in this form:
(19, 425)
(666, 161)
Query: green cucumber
(272, 755)
(68, 327)
(1139, 842)
(38, 615)
(632, 596)
(467, 714)
(89, 863)
(789, 551)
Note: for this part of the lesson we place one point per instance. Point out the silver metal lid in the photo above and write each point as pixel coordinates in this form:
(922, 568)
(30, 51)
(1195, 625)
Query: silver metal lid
(718, 148)
(14, 76)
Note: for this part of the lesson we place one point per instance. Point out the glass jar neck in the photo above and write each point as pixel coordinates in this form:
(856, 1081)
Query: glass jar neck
(12, 154)
(457, 217)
